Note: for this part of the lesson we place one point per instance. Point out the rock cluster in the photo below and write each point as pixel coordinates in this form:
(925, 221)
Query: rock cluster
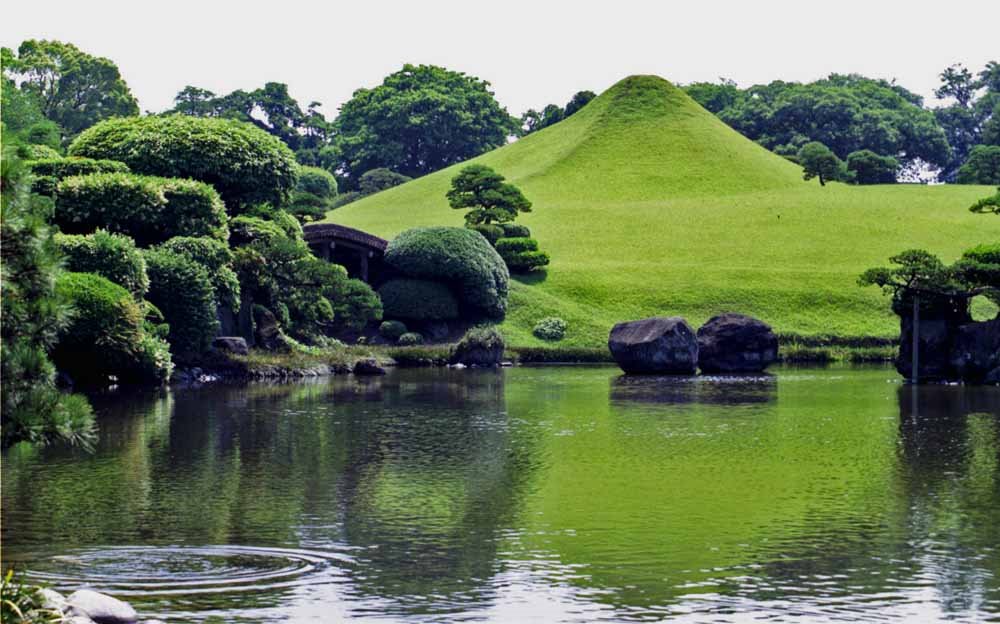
(86, 606)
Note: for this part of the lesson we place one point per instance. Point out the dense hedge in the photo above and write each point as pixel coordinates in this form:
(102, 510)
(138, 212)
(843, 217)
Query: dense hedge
(514, 230)
(245, 164)
(106, 336)
(490, 231)
(244, 230)
(521, 254)
(182, 290)
(49, 172)
(217, 259)
(317, 182)
(416, 299)
(147, 208)
(113, 256)
(457, 256)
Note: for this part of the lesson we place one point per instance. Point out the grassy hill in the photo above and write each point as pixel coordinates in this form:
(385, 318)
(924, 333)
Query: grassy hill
(649, 205)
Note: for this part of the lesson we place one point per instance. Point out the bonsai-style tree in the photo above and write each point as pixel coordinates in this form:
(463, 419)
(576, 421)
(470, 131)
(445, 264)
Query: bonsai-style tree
(492, 200)
(819, 162)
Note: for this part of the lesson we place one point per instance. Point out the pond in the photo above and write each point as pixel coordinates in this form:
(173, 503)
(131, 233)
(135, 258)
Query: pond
(548, 494)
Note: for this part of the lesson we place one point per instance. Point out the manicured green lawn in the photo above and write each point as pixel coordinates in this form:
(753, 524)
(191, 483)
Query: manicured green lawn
(649, 205)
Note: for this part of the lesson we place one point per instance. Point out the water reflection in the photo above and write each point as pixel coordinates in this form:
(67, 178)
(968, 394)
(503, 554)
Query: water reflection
(551, 494)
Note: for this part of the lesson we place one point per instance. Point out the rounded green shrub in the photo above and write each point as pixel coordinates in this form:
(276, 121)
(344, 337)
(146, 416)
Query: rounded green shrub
(244, 230)
(113, 256)
(409, 339)
(380, 179)
(392, 329)
(514, 230)
(106, 336)
(418, 300)
(480, 346)
(459, 257)
(182, 290)
(550, 328)
(217, 259)
(490, 231)
(354, 303)
(147, 208)
(521, 254)
(316, 182)
(37, 152)
(516, 245)
(245, 164)
(49, 172)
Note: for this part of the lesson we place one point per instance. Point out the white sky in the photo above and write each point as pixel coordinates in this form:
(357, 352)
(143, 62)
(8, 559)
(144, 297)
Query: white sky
(533, 52)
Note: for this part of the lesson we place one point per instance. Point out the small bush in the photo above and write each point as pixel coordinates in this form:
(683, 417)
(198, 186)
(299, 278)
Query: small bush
(113, 256)
(37, 152)
(49, 172)
(410, 339)
(418, 300)
(244, 230)
(456, 256)
(217, 259)
(106, 336)
(550, 328)
(317, 182)
(148, 209)
(480, 346)
(515, 230)
(182, 290)
(346, 198)
(521, 254)
(516, 245)
(245, 164)
(491, 232)
(380, 179)
(307, 207)
(354, 303)
(392, 330)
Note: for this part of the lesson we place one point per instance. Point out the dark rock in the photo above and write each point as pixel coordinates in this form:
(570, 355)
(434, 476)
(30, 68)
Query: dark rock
(665, 345)
(939, 325)
(975, 351)
(231, 344)
(735, 343)
(482, 348)
(100, 608)
(368, 366)
(267, 333)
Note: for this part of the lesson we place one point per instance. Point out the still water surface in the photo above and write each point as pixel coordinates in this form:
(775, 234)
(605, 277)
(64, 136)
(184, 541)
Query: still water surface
(551, 494)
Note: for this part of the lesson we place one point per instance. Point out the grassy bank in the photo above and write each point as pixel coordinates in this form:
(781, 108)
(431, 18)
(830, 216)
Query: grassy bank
(649, 205)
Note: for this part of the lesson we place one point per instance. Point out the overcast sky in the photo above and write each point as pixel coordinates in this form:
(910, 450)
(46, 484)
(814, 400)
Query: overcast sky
(533, 52)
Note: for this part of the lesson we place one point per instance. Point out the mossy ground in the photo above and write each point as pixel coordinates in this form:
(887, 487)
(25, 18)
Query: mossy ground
(649, 205)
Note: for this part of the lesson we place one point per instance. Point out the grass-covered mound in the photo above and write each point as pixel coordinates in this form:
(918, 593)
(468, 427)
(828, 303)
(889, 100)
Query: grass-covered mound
(648, 204)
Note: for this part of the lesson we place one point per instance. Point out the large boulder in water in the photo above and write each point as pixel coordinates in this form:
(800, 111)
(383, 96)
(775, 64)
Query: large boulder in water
(975, 352)
(735, 343)
(100, 608)
(663, 345)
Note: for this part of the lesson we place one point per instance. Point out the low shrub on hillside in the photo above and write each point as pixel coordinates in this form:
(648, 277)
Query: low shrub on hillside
(410, 339)
(417, 300)
(392, 330)
(49, 172)
(148, 209)
(521, 254)
(113, 256)
(217, 259)
(183, 291)
(379, 179)
(550, 328)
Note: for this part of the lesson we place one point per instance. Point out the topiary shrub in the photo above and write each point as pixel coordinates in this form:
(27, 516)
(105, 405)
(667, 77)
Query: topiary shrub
(38, 152)
(149, 209)
(550, 328)
(245, 164)
(480, 346)
(113, 256)
(456, 256)
(244, 230)
(380, 179)
(418, 300)
(49, 172)
(392, 330)
(182, 290)
(514, 230)
(354, 303)
(317, 182)
(521, 254)
(490, 231)
(217, 259)
(106, 336)
(409, 339)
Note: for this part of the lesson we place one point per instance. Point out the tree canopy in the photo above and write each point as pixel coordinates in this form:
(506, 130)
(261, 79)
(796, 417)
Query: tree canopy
(818, 161)
(492, 200)
(971, 117)
(533, 120)
(420, 119)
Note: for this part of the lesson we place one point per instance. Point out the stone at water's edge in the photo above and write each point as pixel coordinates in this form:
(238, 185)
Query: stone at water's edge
(736, 343)
(664, 345)
(231, 344)
(368, 366)
(975, 352)
(100, 608)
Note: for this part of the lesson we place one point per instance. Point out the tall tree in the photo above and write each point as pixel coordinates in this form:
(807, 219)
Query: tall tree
(420, 119)
(533, 120)
(484, 191)
(73, 89)
(819, 162)
(970, 118)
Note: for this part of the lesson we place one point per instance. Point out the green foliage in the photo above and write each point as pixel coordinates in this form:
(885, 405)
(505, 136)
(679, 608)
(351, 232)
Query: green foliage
(420, 119)
(521, 254)
(514, 230)
(458, 257)
(49, 172)
(21, 603)
(314, 193)
(867, 167)
(23, 120)
(38, 152)
(979, 267)
(491, 232)
(987, 205)
(246, 165)
(107, 335)
(380, 179)
(550, 328)
(410, 339)
(492, 200)
(244, 230)
(217, 259)
(533, 120)
(971, 118)
(74, 89)
(392, 329)
(982, 167)
(346, 198)
(354, 303)
(819, 162)
(917, 272)
(113, 256)
(182, 290)
(147, 208)
(478, 338)
(33, 313)
(417, 299)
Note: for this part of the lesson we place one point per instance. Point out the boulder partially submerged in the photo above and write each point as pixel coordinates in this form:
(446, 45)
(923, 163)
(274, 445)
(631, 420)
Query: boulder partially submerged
(658, 345)
(736, 343)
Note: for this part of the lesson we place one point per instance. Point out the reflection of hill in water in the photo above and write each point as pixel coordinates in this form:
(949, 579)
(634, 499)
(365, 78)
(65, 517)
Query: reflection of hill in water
(709, 390)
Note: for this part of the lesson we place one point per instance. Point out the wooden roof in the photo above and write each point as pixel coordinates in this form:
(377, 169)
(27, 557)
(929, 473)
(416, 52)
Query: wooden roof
(315, 232)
